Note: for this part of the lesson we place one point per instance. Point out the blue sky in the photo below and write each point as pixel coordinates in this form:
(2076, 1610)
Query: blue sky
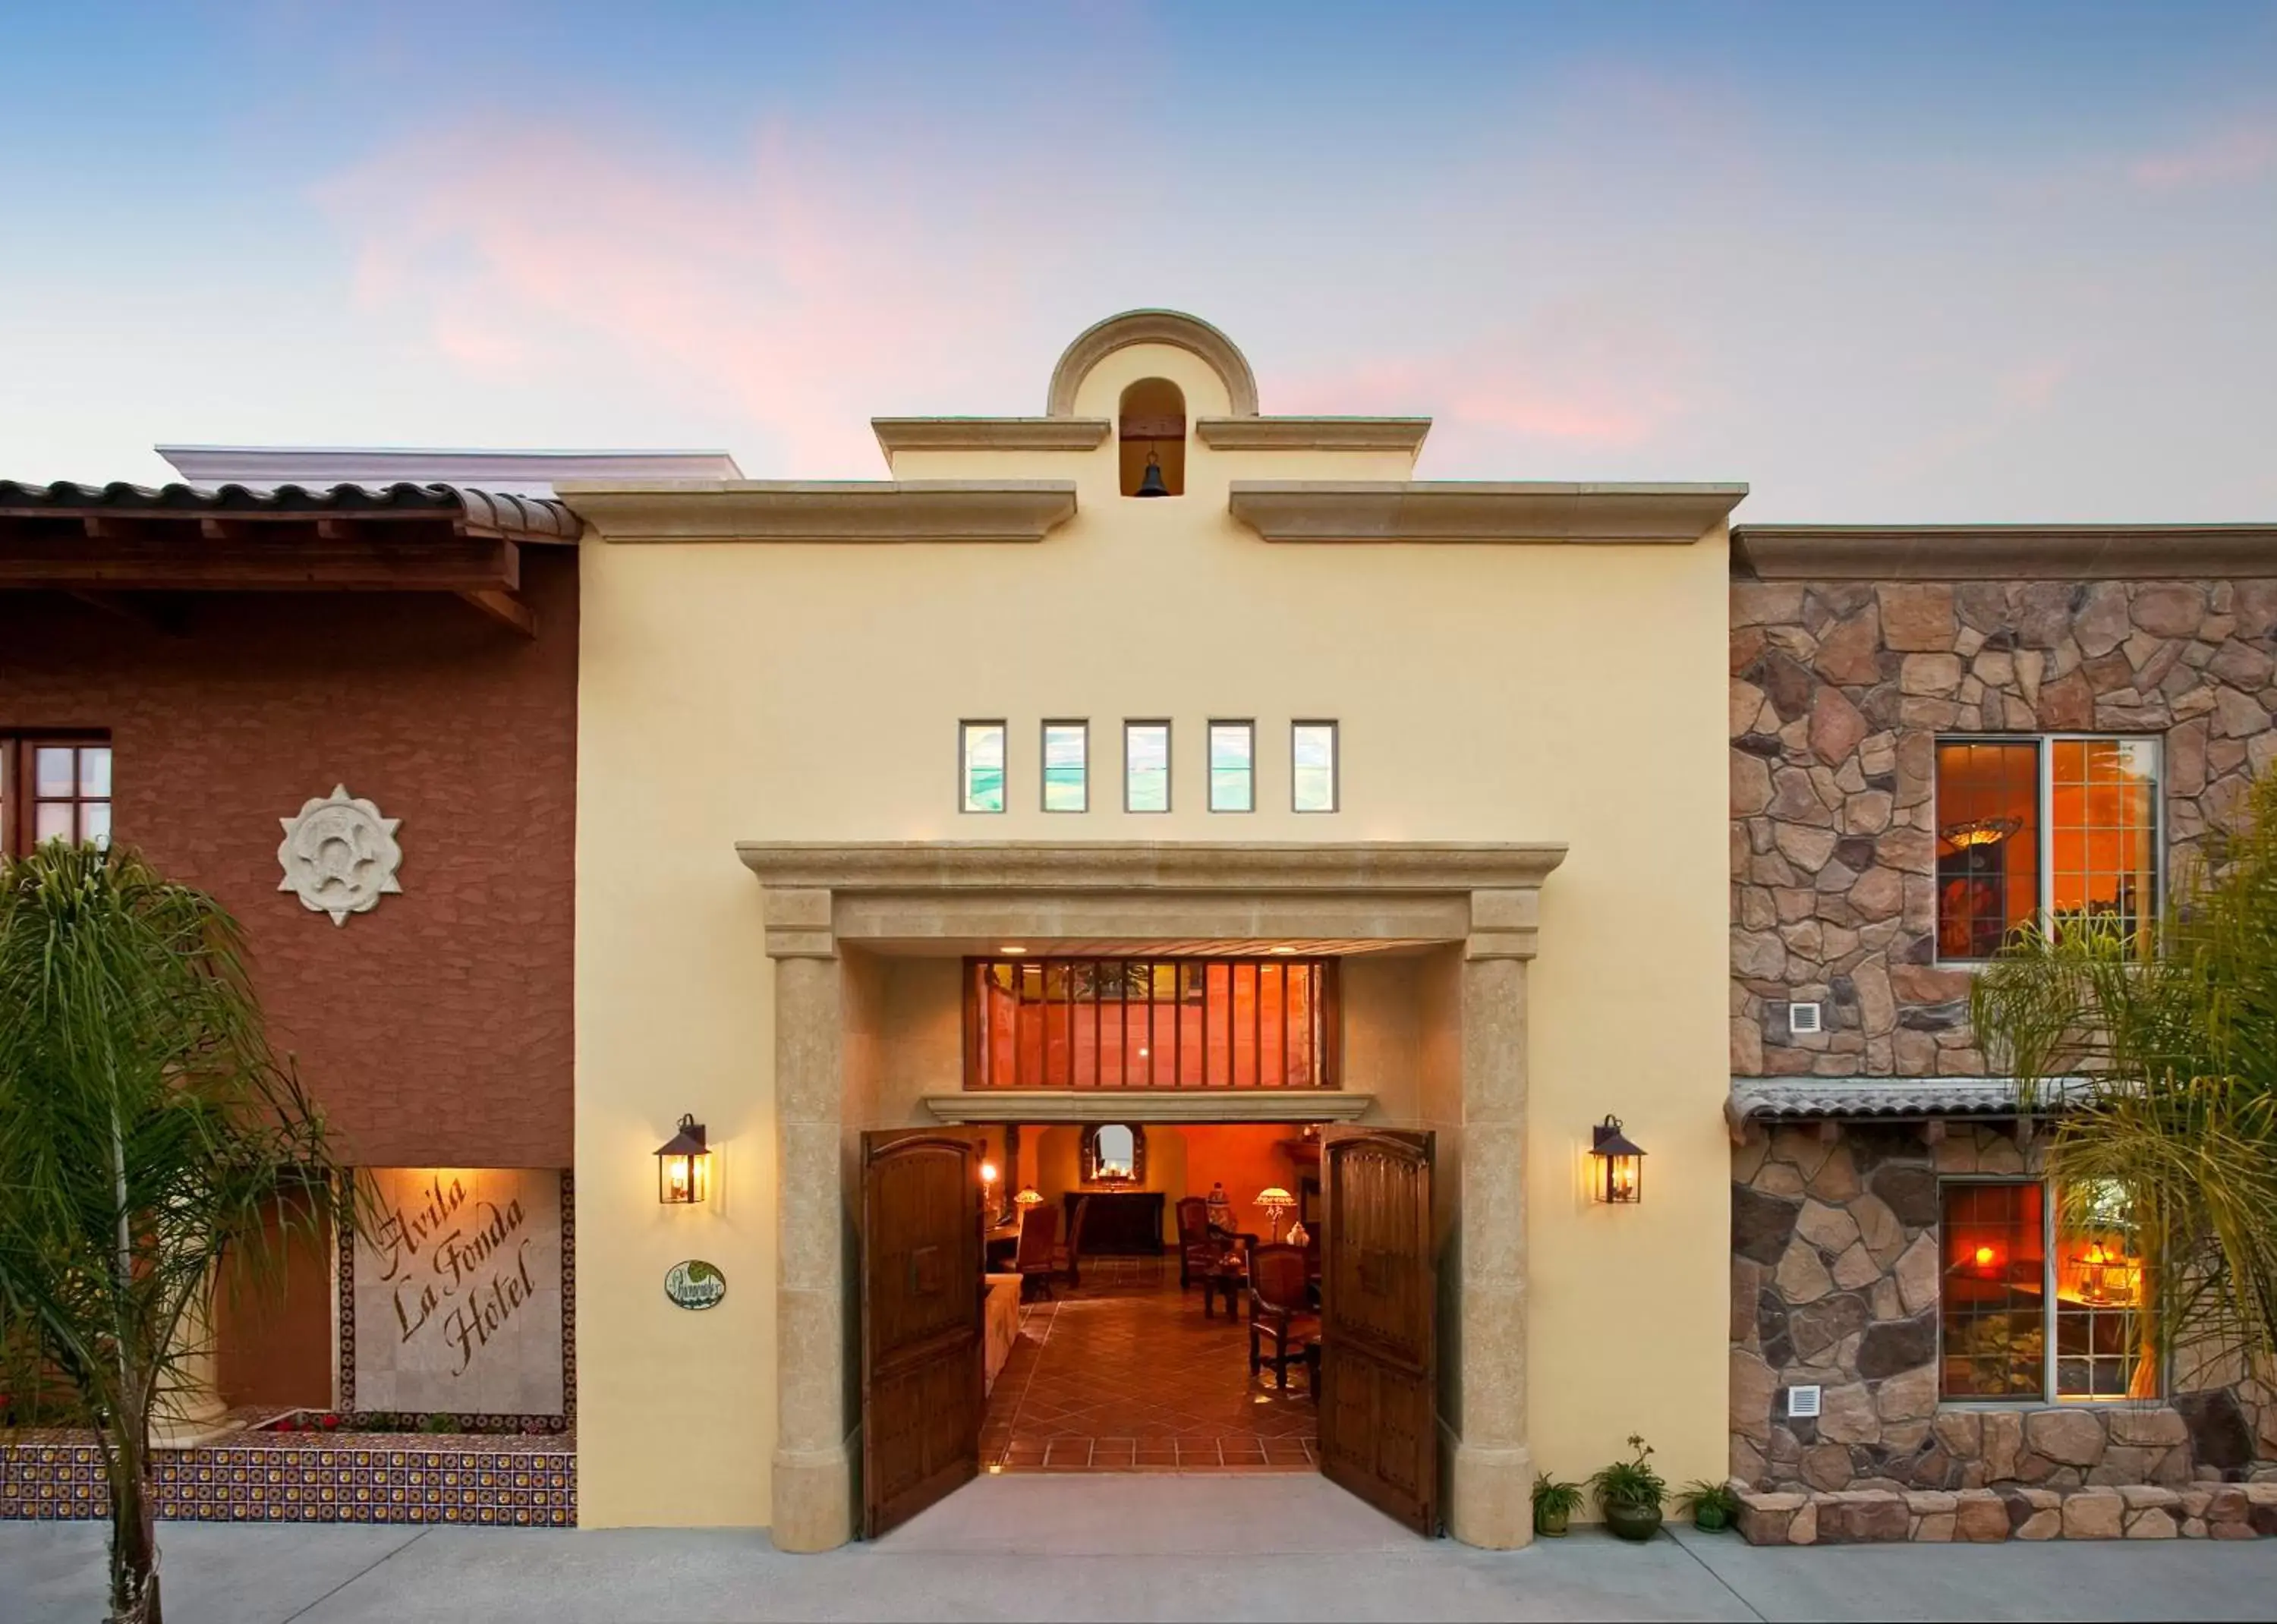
(1883, 263)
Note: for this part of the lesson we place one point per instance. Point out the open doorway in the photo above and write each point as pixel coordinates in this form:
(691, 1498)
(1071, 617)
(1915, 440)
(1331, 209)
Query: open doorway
(1154, 1299)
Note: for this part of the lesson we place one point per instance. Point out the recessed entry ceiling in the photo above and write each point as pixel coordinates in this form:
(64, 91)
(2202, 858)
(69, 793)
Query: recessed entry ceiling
(1110, 947)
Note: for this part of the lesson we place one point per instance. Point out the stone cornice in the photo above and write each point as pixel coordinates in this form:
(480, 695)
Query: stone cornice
(1102, 340)
(1313, 434)
(1465, 511)
(1097, 866)
(990, 434)
(801, 511)
(2002, 552)
(1149, 1105)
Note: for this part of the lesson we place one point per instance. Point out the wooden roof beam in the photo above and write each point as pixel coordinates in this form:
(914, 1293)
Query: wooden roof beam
(274, 560)
(506, 609)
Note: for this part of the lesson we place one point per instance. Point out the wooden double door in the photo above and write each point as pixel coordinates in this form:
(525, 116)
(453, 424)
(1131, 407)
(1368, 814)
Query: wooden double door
(923, 1335)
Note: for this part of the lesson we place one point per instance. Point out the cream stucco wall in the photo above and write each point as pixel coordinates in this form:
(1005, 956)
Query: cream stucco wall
(784, 691)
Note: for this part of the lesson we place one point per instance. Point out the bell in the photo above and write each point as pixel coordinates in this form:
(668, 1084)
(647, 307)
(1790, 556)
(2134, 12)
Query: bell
(1150, 483)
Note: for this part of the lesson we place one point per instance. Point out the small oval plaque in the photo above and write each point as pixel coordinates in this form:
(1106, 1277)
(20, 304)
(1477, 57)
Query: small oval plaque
(694, 1284)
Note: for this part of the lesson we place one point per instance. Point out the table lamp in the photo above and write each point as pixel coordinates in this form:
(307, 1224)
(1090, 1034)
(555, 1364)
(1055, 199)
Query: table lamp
(1276, 1200)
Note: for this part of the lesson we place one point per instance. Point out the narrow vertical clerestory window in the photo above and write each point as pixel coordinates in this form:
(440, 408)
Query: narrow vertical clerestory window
(980, 766)
(1312, 766)
(1067, 767)
(1146, 766)
(1233, 766)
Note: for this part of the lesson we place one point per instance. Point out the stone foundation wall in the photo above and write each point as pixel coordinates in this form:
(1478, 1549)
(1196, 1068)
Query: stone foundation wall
(1988, 1516)
(1840, 690)
(1836, 1260)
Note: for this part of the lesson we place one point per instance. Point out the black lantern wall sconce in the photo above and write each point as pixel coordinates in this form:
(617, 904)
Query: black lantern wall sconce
(683, 1165)
(1615, 1165)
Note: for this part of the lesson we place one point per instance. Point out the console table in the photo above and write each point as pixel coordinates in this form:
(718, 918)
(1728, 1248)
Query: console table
(1121, 1223)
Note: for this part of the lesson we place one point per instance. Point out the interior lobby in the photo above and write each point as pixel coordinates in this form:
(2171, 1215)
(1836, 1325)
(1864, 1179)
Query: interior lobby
(1123, 1297)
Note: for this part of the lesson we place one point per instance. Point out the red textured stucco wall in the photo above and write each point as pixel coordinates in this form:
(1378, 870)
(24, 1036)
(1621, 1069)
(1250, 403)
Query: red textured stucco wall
(435, 1029)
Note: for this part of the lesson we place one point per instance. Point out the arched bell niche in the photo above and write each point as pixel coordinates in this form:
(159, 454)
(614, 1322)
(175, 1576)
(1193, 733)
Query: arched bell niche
(1150, 425)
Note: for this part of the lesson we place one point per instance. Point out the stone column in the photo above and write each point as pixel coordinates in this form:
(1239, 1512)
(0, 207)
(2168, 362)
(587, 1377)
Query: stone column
(813, 1472)
(1490, 1494)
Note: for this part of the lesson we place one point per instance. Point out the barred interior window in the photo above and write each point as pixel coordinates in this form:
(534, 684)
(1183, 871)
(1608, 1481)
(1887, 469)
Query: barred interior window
(53, 789)
(2100, 1327)
(2103, 831)
(1988, 851)
(1067, 770)
(1150, 1024)
(980, 766)
(2064, 827)
(1994, 1299)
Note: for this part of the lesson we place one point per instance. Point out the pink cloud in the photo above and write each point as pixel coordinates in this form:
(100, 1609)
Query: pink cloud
(2245, 151)
(1576, 375)
(804, 289)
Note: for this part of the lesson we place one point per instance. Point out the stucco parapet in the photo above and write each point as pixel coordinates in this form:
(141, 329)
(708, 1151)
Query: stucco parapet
(990, 434)
(1313, 434)
(851, 511)
(1095, 342)
(1149, 1105)
(2002, 552)
(1099, 866)
(1479, 510)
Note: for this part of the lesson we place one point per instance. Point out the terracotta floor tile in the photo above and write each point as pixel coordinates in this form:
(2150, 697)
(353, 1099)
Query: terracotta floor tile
(1125, 1373)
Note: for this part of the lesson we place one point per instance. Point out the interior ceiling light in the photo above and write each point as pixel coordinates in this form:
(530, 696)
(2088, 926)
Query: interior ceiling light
(1980, 831)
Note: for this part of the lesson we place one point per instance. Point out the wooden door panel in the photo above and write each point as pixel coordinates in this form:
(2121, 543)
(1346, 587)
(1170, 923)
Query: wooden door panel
(1379, 1317)
(921, 1324)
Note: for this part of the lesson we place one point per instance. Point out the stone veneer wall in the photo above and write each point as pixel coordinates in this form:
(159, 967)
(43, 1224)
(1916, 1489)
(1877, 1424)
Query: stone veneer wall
(1839, 692)
(1836, 1261)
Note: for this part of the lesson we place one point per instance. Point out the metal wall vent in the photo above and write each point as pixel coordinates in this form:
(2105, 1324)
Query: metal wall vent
(1805, 1019)
(1802, 1402)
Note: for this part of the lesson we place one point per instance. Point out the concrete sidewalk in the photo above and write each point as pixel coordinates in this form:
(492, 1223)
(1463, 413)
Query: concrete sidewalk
(1152, 1546)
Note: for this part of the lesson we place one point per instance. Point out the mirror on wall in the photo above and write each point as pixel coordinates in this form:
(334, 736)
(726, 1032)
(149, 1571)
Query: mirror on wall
(1114, 1153)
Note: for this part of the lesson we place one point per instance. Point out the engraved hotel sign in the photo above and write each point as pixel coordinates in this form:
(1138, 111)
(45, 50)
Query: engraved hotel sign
(458, 1291)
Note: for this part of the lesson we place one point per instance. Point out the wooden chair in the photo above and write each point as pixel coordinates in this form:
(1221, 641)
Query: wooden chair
(1067, 1259)
(1199, 1249)
(1227, 1277)
(1279, 1308)
(1034, 1261)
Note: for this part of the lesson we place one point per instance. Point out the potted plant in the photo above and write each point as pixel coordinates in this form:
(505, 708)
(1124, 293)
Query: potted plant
(1629, 1492)
(1714, 1505)
(1554, 1504)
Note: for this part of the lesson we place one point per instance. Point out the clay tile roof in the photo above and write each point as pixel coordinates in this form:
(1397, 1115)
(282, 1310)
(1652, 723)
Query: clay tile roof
(530, 519)
(1810, 1098)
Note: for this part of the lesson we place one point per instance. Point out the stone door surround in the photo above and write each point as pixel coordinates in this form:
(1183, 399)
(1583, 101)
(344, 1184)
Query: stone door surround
(913, 895)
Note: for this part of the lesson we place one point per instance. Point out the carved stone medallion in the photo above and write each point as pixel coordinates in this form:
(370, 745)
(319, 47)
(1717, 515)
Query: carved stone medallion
(340, 855)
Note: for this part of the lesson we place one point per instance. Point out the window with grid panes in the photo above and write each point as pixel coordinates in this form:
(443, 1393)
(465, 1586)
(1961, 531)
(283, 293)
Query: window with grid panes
(54, 788)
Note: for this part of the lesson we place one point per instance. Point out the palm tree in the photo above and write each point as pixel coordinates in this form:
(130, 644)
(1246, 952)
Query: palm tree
(146, 1133)
(2166, 1068)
